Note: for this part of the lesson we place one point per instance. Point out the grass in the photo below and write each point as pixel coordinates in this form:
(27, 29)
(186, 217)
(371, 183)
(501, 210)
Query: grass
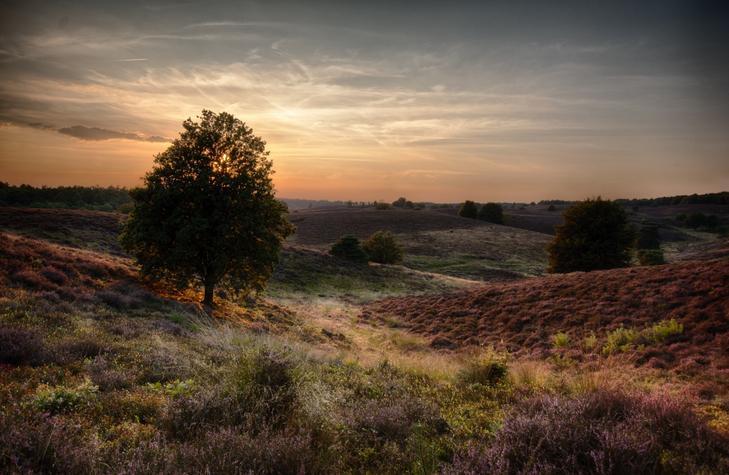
(104, 375)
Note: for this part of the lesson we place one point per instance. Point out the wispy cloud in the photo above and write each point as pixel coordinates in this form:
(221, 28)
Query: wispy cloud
(96, 133)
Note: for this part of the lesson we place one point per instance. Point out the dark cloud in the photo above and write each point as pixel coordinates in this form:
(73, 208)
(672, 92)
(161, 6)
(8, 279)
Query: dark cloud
(96, 133)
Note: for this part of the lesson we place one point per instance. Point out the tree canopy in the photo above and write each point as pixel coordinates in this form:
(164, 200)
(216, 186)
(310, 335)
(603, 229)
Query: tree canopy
(207, 212)
(492, 213)
(469, 209)
(595, 235)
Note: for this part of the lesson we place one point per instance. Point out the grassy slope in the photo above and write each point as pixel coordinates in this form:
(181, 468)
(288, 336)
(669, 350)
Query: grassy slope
(103, 374)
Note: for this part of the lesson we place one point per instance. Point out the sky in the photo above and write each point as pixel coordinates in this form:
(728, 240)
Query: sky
(435, 101)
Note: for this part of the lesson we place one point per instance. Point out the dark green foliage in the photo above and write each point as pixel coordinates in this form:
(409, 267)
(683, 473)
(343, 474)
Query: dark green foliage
(701, 220)
(648, 238)
(595, 235)
(85, 197)
(650, 257)
(492, 213)
(403, 203)
(381, 205)
(383, 248)
(207, 212)
(469, 209)
(348, 247)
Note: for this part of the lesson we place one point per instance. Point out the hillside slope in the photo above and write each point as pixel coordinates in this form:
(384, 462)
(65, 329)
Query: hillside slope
(523, 317)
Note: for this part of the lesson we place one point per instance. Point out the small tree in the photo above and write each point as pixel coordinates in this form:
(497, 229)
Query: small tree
(648, 237)
(468, 210)
(348, 247)
(595, 235)
(492, 213)
(207, 211)
(383, 248)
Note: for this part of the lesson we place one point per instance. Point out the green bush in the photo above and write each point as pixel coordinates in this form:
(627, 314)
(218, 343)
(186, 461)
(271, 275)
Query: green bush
(488, 369)
(383, 248)
(468, 210)
(61, 398)
(561, 340)
(663, 330)
(492, 213)
(650, 257)
(590, 342)
(348, 247)
(619, 340)
(595, 235)
(648, 238)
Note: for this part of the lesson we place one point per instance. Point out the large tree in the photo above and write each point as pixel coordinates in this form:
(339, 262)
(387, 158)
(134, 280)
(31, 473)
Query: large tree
(595, 235)
(207, 212)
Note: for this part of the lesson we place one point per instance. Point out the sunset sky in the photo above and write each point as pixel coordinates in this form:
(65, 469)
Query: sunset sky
(441, 101)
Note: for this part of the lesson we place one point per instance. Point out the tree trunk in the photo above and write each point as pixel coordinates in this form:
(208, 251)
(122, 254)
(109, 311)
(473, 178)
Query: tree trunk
(209, 288)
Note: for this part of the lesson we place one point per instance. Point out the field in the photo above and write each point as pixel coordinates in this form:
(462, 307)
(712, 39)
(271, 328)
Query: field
(464, 359)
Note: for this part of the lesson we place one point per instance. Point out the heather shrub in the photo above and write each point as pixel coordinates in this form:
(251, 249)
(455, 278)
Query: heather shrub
(55, 399)
(488, 369)
(19, 346)
(560, 340)
(104, 375)
(264, 383)
(620, 340)
(348, 247)
(605, 432)
(30, 278)
(206, 408)
(41, 443)
(383, 248)
(54, 275)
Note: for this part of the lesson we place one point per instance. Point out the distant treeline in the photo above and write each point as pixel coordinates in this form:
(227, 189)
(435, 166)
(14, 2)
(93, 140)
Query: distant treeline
(83, 197)
(721, 198)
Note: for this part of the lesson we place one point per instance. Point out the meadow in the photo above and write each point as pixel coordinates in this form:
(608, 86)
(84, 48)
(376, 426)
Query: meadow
(466, 358)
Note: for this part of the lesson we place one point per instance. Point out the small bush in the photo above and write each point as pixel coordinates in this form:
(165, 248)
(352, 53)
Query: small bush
(383, 248)
(487, 369)
(348, 247)
(619, 340)
(648, 238)
(382, 206)
(491, 213)
(468, 209)
(19, 346)
(561, 340)
(590, 342)
(61, 398)
(664, 329)
(650, 257)
(54, 275)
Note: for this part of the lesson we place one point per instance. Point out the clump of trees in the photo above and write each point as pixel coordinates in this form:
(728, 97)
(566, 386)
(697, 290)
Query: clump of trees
(595, 235)
(648, 246)
(349, 248)
(492, 213)
(382, 247)
(699, 221)
(207, 212)
(82, 197)
(468, 209)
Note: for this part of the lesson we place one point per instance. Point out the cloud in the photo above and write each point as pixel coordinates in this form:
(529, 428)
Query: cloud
(96, 133)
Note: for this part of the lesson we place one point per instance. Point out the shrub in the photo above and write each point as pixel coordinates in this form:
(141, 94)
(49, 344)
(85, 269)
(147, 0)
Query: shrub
(664, 329)
(650, 257)
(648, 238)
(54, 275)
(348, 247)
(487, 369)
(551, 208)
(383, 248)
(595, 235)
(561, 340)
(61, 398)
(382, 206)
(468, 210)
(590, 342)
(492, 213)
(264, 385)
(619, 340)
(606, 432)
(19, 346)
